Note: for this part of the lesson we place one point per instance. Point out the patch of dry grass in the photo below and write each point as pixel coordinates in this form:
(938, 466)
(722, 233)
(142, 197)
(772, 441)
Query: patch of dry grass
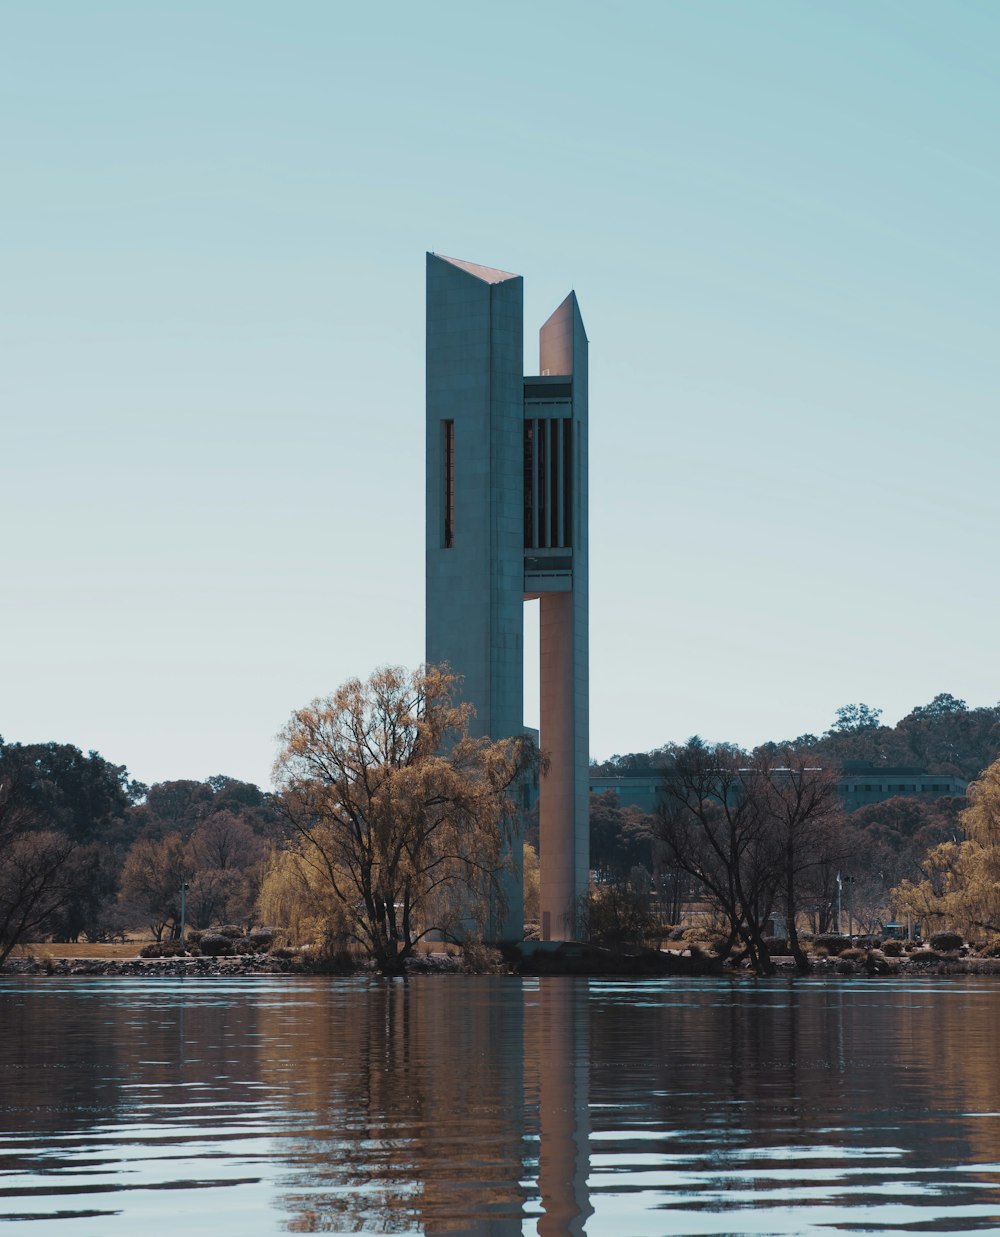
(80, 949)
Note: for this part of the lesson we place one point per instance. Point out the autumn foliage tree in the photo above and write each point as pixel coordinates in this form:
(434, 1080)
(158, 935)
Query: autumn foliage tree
(960, 885)
(404, 815)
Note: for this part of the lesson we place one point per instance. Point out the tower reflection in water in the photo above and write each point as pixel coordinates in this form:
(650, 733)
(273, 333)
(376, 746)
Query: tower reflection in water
(443, 1106)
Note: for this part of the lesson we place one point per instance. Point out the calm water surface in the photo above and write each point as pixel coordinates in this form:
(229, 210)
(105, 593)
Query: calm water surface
(498, 1106)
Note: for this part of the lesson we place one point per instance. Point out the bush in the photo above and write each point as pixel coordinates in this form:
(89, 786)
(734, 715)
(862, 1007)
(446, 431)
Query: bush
(947, 941)
(193, 936)
(616, 915)
(262, 939)
(832, 942)
(777, 945)
(150, 951)
(925, 956)
(892, 949)
(992, 948)
(480, 959)
(215, 944)
(853, 954)
(845, 966)
(230, 930)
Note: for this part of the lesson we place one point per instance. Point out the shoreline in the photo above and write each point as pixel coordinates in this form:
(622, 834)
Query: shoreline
(587, 963)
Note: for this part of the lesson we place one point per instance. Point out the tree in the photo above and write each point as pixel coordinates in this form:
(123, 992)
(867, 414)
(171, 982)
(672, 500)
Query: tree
(151, 882)
(749, 829)
(961, 880)
(36, 872)
(852, 718)
(406, 816)
(802, 804)
(713, 831)
(620, 838)
(225, 858)
(85, 797)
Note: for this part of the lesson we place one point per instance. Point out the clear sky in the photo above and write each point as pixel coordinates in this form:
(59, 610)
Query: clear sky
(781, 220)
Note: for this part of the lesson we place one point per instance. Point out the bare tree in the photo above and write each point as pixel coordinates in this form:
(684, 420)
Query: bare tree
(36, 869)
(749, 829)
(716, 832)
(801, 804)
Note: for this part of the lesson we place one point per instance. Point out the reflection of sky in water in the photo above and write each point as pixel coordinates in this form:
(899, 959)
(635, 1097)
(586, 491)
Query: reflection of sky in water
(491, 1105)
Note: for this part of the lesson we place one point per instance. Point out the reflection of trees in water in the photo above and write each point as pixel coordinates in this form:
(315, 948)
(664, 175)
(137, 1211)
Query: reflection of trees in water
(437, 1104)
(410, 1098)
(735, 1078)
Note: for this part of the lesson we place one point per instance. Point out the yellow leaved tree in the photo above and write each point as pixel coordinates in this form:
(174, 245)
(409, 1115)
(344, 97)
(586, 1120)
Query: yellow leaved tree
(961, 885)
(402, 818)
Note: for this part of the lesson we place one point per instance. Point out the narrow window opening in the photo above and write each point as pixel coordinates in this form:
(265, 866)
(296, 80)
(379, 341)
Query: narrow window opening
(449, 484)
(567, 427)
(553, 479)
(529, 475)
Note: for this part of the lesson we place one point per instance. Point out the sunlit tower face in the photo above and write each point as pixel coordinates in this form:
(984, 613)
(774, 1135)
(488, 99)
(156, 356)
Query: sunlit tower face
(506, 522)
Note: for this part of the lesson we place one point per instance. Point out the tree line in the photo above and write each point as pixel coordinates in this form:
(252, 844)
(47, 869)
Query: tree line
(751, 833)
(89, 852)
(391, 823)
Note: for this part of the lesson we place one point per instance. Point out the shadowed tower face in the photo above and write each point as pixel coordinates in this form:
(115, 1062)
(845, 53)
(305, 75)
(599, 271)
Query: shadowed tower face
(506, 522)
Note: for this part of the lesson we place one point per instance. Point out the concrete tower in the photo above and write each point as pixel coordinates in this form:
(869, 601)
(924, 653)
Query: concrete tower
(506, 522)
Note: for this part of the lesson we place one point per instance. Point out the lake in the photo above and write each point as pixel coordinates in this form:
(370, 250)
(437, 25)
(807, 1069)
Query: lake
(493, 1105)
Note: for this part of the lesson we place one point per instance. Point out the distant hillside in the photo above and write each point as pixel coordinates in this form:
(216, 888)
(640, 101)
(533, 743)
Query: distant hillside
(945, 736)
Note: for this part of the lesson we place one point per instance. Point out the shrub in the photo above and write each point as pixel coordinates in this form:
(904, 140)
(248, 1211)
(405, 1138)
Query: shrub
(845, 966)
(925, 956)
(892, 949)
(617, 915)
(776, 945)
(821, 952)
(853, 954)
(947, 941)
(151, 951)
(215, 944)
(193, 936)
(480, 959)
(261, 939)
(992, 948)
(832, 942)
(230, 930)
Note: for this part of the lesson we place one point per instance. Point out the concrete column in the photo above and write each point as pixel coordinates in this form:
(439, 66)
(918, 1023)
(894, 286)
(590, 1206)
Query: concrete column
(557, 801)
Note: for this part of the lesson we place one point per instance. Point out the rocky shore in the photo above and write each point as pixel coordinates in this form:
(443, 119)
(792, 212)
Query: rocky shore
(525, 958)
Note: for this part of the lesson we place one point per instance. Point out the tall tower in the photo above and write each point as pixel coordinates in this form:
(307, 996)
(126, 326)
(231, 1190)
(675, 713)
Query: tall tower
(506, 522)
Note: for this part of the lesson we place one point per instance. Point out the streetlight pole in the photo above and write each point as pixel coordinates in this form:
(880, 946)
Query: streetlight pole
(850, 905)
(183, 909)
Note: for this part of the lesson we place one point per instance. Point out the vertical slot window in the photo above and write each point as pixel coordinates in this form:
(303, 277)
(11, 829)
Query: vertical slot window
(541, 472)
(529, 485)
(567, 429)
(553, 482)
(449, 483)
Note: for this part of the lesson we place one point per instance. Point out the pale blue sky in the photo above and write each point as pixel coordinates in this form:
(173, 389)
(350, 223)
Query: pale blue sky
(781, 220)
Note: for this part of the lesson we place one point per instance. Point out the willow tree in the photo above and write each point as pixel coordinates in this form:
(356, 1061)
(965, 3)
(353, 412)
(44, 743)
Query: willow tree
(405, 816)
(961, 885)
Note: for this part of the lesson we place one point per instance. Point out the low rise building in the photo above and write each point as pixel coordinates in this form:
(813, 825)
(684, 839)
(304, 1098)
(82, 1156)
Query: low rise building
(860, 784)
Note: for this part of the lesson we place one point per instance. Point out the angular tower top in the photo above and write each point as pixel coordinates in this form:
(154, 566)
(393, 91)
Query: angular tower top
(486, 273)
(563, 340)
